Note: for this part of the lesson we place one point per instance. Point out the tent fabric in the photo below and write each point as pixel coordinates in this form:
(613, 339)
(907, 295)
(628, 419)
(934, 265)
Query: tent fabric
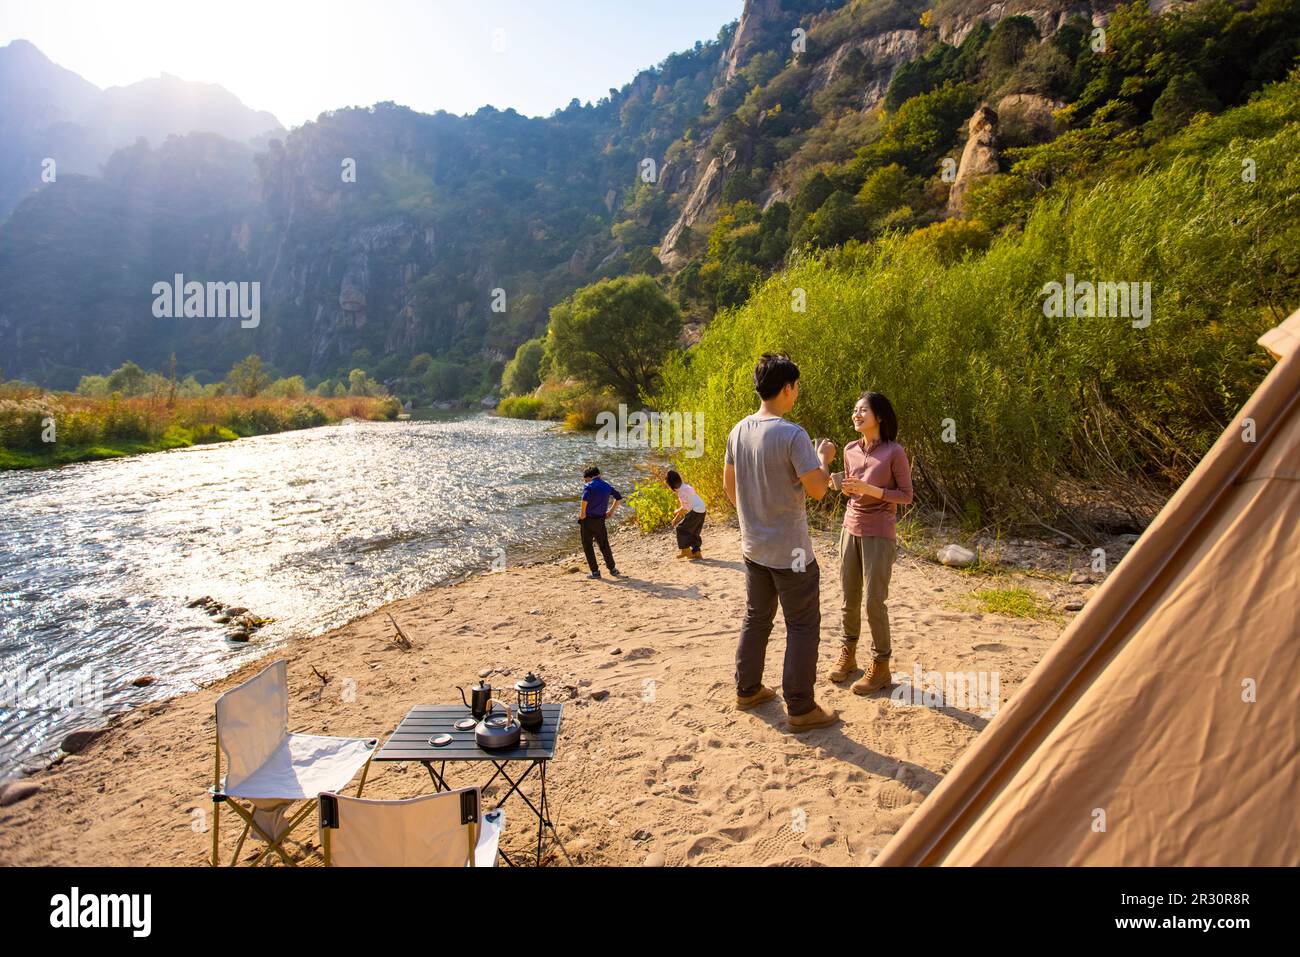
(267, 765)
(1284, 339)
(423, 831)
(1163, 727)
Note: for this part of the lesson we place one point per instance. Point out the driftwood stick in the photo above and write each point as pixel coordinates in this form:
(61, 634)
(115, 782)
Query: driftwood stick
(1059, 532)
(401, 641)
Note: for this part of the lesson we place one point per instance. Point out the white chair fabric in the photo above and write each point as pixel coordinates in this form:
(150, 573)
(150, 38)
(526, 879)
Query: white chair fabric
(268, 766)
(424, 831)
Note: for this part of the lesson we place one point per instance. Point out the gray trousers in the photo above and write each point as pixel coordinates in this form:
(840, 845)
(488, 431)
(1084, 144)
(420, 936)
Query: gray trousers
(866, 563)
(800, 596)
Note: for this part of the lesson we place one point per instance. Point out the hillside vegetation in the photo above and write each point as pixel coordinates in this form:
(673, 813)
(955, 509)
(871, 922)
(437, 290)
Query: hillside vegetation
(1010, 414)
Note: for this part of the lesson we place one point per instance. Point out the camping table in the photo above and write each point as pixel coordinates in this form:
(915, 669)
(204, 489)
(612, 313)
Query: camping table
(410, 742)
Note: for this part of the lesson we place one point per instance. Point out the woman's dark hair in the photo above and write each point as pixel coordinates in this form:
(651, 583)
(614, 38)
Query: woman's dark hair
(591, 472)
(883, 410)
(773, 373)
(673, 479)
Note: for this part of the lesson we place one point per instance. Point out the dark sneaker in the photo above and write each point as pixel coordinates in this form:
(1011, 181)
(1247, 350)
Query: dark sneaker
(615, 572)
(594, 575)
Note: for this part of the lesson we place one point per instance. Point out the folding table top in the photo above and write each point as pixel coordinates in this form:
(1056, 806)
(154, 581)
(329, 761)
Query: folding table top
(410, 742)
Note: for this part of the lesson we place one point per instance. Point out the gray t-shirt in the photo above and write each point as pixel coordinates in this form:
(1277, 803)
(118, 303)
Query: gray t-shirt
(769, 455)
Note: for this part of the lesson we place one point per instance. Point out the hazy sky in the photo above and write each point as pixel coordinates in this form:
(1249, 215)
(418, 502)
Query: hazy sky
(297, 58)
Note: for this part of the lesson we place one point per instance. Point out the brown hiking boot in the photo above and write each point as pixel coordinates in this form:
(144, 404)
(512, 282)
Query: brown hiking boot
(697, 555)
(847, 662)
(818, 717)
(762, 695)
(877, 677)
(683, 553)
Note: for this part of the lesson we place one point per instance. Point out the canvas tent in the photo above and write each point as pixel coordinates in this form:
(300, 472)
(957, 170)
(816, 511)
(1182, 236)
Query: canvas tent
(1163, 727)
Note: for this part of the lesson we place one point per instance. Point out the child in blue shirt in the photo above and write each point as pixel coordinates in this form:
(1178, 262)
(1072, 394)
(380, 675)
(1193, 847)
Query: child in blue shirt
(596, 507)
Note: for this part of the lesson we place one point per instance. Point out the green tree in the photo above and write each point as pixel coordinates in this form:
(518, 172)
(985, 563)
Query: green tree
(1183, 97)
(615, 334)
(247, 376)
(128, 379)
(360, 383)
(93, 385)
(523, 373)
(291, 388)
(886, 189)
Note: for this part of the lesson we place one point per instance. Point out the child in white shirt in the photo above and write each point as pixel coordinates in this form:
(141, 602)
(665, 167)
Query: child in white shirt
(688, 519)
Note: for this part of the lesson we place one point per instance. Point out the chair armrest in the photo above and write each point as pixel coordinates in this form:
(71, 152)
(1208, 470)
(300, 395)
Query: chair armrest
(489, 836)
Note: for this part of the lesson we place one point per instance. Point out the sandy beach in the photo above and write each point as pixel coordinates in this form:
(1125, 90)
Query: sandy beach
(655, 765)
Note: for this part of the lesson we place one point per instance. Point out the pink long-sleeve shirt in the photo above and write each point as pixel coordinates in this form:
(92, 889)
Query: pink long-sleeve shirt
(883, 464)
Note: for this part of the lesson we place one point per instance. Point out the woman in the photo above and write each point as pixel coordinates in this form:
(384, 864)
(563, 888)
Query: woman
(876, 480)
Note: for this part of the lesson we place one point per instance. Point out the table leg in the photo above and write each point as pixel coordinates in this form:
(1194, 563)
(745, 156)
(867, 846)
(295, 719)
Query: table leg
(439, 783)
(541, 817)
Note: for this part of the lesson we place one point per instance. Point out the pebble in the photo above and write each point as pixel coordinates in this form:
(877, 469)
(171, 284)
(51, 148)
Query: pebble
(656, 859)
(144, 681)
(12, 792)
(600, 695)
(484, 672)
(1079, 578)
(78, 741)
(616, 651)
(1074, 606)
(956, 556)
(238, 634)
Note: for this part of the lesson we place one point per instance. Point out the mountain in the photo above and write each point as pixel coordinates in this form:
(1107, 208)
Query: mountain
(807, 124)
(366, 271)
(47, 111)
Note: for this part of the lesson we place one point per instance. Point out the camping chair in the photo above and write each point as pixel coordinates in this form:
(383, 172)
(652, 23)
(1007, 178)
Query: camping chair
(271, 769)
(433, 830)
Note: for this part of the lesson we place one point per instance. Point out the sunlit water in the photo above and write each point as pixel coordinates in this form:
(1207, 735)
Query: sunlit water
(311, 528)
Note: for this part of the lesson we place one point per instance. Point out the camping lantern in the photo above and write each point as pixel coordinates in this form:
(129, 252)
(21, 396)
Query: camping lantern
(530, 701)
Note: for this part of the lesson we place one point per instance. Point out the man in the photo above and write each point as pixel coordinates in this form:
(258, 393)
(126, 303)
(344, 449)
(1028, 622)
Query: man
(770, 466)
(592, 514)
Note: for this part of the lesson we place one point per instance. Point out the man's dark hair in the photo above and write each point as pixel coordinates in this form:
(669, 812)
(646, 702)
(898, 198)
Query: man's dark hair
(673, 479)
(773, 373)
(883, 410)
(591, 472)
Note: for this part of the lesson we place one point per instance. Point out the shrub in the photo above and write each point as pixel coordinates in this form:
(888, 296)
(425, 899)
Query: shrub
(958, 336)
(520, 407)
(305, 416)
(653, 503)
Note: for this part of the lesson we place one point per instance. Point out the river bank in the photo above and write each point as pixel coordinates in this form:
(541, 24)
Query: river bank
(654, 766)
(47, 429)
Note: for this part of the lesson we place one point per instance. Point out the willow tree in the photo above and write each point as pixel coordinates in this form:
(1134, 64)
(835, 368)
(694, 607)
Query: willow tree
(614, 334)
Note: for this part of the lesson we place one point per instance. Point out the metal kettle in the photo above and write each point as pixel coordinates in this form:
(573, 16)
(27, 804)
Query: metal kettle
(497, 731)
(480, 696)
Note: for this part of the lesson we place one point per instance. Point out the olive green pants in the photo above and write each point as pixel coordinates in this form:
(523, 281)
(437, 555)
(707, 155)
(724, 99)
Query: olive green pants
(866, 563)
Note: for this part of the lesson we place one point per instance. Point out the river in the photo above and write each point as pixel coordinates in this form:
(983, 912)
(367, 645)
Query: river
(313, 528)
